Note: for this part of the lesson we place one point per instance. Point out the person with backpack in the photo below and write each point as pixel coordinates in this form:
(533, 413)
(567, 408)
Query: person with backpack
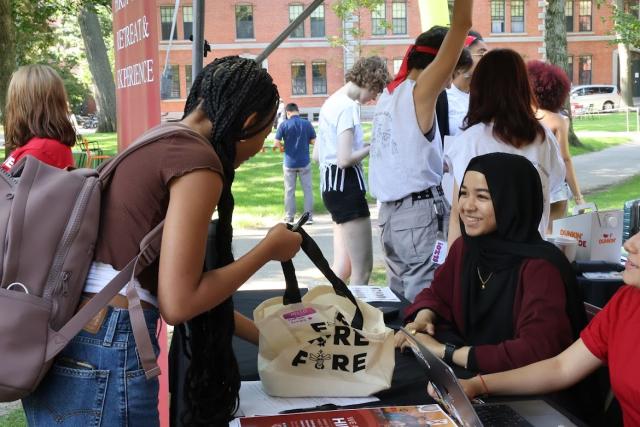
(406, 164)
(36, 118)
(182, 178)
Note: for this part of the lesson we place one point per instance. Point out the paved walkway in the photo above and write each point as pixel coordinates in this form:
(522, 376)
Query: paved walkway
(608, 167)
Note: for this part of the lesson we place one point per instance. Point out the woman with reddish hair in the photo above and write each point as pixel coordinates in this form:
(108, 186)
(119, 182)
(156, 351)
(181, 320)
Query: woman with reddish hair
(501, 119)
(551, 86)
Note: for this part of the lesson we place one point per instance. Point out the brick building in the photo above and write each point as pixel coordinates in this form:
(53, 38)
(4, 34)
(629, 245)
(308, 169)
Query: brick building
(307, 68)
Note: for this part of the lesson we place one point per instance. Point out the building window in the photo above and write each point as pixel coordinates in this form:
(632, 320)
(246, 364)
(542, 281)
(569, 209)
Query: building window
(295, 10)
(397, 63)
(187, 19)
(584, 17)
(319, 76)
(170, 84)
(568, 15)
(166, 19)
(378, 17)
(569, 69)
(497, 16)
(585, 70)
(298, 78)
(517, 16)
(188, 70)
(399, 17)
(244, 21)
(317, 22)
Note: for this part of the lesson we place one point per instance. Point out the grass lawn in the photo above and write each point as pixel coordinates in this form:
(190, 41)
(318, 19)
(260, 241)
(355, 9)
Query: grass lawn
(612, 122)
(614, 197)
(14, 419)
(597, 144)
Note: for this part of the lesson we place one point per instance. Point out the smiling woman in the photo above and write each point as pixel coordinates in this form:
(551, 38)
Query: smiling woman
(504, 297)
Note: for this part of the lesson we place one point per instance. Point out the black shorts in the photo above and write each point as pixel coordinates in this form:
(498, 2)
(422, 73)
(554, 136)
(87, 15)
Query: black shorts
(346, 199)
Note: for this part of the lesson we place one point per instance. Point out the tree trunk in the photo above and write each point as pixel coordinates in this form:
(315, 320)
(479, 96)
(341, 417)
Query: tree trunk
(555, 38)
(624, 59)
(8, 55)
(96, 51)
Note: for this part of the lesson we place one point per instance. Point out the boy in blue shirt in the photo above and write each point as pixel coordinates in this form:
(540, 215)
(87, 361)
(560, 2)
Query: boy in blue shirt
(297, 134)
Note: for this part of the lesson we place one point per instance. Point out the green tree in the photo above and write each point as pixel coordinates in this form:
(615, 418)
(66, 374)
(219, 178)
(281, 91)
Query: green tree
(555, 38)
(100, 66)
(7, 49)
(350, 13)
(626, 18)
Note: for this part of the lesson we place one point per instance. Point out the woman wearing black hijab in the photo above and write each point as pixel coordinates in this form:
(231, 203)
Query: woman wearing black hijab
(504, 297)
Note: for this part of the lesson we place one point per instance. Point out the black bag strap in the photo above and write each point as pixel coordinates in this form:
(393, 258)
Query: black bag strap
(292, 291)
(442, 114)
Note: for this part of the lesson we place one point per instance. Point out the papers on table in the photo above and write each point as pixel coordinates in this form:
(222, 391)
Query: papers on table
(254, 401)
(603, 275)
(369, 293)
(374, 293)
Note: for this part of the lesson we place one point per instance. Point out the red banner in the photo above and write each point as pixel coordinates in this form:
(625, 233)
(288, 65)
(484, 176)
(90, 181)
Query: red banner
(136, 36)
(137, 73)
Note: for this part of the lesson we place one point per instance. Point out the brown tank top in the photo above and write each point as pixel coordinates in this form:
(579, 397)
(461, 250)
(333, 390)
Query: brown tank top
(138, 196)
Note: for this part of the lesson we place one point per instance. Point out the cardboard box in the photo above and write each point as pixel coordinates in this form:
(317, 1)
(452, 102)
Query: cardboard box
(599, 234)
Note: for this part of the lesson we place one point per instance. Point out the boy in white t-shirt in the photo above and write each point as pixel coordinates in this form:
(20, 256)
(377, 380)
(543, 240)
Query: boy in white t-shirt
(405, 169)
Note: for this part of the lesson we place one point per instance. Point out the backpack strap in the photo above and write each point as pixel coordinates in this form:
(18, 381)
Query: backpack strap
(106, 169)
(149, 251)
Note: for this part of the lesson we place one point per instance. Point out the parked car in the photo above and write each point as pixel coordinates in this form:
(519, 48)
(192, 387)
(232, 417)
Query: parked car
(594, 98)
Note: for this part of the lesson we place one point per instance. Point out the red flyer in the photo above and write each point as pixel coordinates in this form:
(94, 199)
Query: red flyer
(406, 416)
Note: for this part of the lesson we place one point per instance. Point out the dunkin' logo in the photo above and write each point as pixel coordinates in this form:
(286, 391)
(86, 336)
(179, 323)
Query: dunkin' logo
(607, 239)
(571, 233)
(576, 235)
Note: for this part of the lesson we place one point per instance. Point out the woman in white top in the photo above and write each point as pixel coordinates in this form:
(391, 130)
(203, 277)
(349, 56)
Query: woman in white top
(340, 149)
(551, 86)
(458, 92)
(501, 119)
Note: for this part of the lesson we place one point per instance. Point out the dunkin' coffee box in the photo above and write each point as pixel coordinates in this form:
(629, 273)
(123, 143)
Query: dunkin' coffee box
(599, 234)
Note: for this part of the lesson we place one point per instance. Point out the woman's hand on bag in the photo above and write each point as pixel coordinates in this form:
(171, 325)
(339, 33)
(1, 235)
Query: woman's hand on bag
(282, 243)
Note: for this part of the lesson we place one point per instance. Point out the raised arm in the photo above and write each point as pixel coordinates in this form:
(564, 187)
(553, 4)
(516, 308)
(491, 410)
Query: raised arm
(432, 79)
(183, 290)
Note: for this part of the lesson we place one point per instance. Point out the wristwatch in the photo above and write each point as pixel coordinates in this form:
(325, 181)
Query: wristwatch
(448, 353)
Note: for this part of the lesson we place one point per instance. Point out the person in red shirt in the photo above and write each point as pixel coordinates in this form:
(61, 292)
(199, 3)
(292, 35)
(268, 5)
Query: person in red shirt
(37, 118)
(612, 338)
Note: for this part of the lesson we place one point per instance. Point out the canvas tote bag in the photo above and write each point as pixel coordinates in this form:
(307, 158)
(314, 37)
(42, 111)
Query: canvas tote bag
(326, 343)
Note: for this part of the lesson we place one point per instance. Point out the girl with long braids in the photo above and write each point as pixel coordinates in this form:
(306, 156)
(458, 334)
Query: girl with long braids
(182, 178)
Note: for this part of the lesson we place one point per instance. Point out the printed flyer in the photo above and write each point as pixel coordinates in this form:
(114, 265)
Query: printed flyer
(391, 416)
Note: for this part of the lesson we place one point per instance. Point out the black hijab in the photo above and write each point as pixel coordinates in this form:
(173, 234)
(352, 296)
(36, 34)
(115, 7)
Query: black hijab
(516, 193)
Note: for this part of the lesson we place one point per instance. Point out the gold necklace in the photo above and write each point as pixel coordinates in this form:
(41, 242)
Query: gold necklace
(484, 282)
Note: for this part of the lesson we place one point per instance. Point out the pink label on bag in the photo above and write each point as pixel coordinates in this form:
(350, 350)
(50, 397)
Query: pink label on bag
(299, 316)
